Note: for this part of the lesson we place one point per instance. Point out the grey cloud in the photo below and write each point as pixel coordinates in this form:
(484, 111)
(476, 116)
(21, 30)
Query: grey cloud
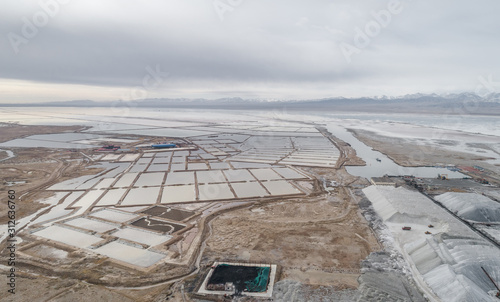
(109, 43)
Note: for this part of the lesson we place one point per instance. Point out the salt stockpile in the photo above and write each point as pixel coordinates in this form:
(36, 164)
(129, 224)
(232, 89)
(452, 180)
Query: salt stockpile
(471, 206)
(445, 264)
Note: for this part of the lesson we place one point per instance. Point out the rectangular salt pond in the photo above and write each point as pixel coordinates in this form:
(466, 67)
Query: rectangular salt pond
(158, 167)
(221, 166)
(280, 187)
(158, 225)
(179, 159)
(214, 176)
(197, 166)
(133, 209)
(163, 154)
(181, 153)
(68, 236)
(140, 236)
(115, 169)
(289, 173)
(178, 194)
(238, 175)
(161, 160)
(104, 183)
(144, 161)
(180, 178)
(92, 225)
(177, 167)
(126, 180)
(129, 157)
(241, 165)
(88, 199)
(215, 192)
(265, 174)
(207, 156)
(150, 179)
(137, 168)
(111, 157)
(88, 184)
(249, 189)
(129, 254)
(113, 215)
(111, 197)
(141, 196)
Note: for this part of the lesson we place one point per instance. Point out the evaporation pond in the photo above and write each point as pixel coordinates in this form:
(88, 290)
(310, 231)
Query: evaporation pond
(289, 173)
(143, 237)
(265, 174)
(129, 254)
(113, 215)
(141, 196)
(215, 192)
(59, 210)
(214, 166)
(169, 213)
(88, 199)
(149, 179)
(238, 175)
(249, 189)
(111, 157)
(91, 224)
(178, 194)
(104, 183)
(180, 178)
(111, 197)
(161, 160)
(68, 236)
(158, 225)
(126, 180)
(158, 168)
(280, 187)
(197, 166)
(129, 157)
(214, 176)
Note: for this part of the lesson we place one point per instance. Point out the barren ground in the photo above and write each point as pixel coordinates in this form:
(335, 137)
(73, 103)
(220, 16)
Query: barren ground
(318, 241)
(404, 153)
(9, 131)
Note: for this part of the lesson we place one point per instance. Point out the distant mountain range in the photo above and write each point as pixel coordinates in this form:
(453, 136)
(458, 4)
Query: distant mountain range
(463, 103)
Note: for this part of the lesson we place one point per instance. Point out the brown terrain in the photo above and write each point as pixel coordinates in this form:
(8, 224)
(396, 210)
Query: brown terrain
(319, 239)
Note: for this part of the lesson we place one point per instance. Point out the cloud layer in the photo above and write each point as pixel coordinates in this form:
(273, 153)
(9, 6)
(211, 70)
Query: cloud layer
(60, 50)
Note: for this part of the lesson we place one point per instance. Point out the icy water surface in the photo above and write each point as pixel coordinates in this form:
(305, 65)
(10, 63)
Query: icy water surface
(239, 126)
(384, 165)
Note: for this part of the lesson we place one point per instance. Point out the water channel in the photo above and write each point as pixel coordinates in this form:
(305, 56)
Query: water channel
(378, 164)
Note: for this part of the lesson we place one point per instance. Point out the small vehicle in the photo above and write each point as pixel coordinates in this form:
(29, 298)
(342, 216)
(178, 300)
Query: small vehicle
(430, 226)
(427, 232)
(406, 228)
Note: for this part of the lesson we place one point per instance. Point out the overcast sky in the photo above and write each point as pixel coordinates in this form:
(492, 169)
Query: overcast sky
(53, 50)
